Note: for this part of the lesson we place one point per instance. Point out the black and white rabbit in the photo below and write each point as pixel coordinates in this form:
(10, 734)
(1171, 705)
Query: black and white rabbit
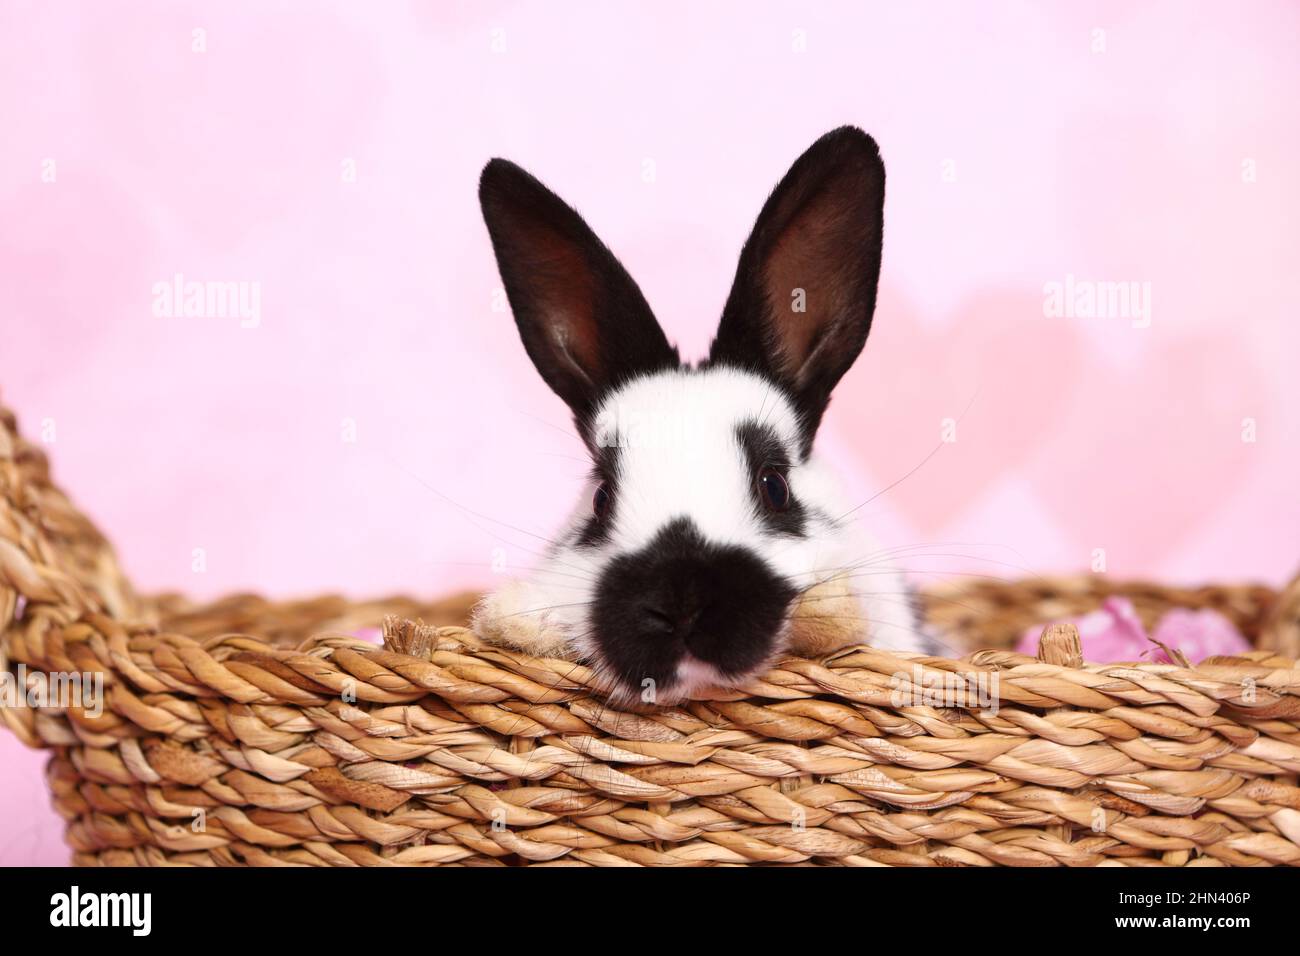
(710, 538)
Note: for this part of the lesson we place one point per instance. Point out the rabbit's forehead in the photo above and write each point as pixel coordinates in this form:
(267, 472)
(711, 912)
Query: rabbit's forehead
(681, 410)
(679, 443)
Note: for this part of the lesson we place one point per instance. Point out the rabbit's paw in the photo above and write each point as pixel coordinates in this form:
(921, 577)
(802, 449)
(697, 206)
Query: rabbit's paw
(522, 615)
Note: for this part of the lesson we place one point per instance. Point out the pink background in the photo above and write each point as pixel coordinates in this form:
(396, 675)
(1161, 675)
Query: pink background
(1016, 155)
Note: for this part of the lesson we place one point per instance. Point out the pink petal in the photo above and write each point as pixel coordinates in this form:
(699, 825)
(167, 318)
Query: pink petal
(1200, 634)
(1114, 632)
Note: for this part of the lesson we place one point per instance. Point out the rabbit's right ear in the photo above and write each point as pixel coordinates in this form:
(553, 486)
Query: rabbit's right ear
(583, 321)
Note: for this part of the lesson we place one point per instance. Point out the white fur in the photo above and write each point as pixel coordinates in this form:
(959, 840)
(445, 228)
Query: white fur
(679, 456)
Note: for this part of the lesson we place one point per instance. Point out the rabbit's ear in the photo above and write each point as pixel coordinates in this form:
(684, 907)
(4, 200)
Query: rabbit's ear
(584, 322)
(800, 308)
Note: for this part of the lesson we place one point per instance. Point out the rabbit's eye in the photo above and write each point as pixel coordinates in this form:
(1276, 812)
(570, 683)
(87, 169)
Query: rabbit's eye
(772, 486)
(600, 501)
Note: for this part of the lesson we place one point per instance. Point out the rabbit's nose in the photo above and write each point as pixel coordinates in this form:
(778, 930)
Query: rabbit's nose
(674, 617)
(683, 602)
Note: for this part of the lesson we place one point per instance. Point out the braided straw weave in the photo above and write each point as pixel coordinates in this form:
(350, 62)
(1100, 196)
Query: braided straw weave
(251, 732)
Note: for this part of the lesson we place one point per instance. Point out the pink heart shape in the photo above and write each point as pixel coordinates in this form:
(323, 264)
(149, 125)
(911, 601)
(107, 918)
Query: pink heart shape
(998, 374)
(1147, 456)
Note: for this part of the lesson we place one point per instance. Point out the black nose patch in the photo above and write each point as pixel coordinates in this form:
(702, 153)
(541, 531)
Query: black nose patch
(722, 604)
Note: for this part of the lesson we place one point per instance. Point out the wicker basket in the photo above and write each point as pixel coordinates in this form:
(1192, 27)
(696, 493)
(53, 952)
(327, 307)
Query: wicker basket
(251, 732)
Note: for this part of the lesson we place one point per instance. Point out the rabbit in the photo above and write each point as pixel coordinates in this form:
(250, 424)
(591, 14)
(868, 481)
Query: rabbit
(710, 539)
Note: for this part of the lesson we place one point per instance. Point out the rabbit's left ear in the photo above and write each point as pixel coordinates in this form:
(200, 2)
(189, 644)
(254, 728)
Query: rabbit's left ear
(801, 305)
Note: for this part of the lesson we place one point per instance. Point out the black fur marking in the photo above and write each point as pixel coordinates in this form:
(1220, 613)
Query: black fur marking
(595, 530)
(764, 449)
(723, 604)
